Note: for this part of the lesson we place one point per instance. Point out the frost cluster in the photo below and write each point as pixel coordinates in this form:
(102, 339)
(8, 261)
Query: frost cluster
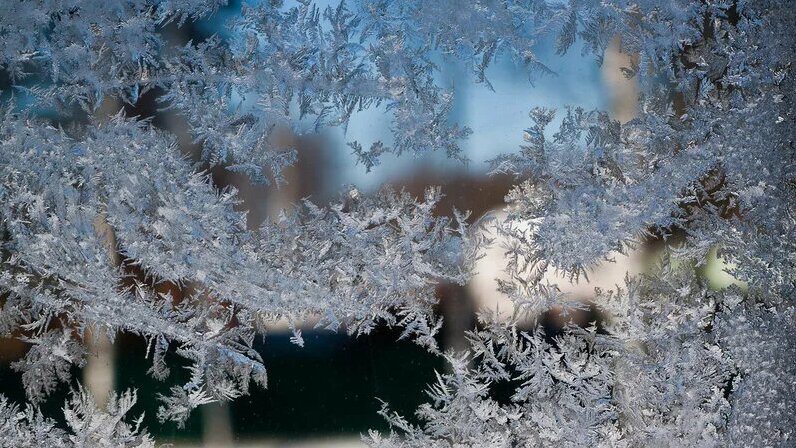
(98, 211)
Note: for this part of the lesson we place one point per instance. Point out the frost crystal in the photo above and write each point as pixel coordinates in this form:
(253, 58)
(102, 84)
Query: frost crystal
(88, 425)
(96, 212)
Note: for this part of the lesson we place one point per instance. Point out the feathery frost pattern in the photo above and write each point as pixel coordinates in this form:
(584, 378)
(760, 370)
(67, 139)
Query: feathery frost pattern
(88, 425)
(87, 201)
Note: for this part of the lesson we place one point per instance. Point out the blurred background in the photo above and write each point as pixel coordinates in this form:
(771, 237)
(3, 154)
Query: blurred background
(327, 393)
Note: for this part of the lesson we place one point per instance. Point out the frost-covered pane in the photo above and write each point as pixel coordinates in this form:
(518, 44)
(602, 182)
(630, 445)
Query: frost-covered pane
(109, 225)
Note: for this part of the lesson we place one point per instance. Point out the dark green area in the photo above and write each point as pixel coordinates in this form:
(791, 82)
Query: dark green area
(11, 387)
(131, 373)
(328, 387)
(331, 385)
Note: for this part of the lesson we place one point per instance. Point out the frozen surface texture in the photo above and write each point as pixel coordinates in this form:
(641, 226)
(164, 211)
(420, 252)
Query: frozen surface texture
(86, 198)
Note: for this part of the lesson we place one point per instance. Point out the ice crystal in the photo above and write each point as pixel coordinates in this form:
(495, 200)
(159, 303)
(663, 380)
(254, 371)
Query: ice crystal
(97, 211)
